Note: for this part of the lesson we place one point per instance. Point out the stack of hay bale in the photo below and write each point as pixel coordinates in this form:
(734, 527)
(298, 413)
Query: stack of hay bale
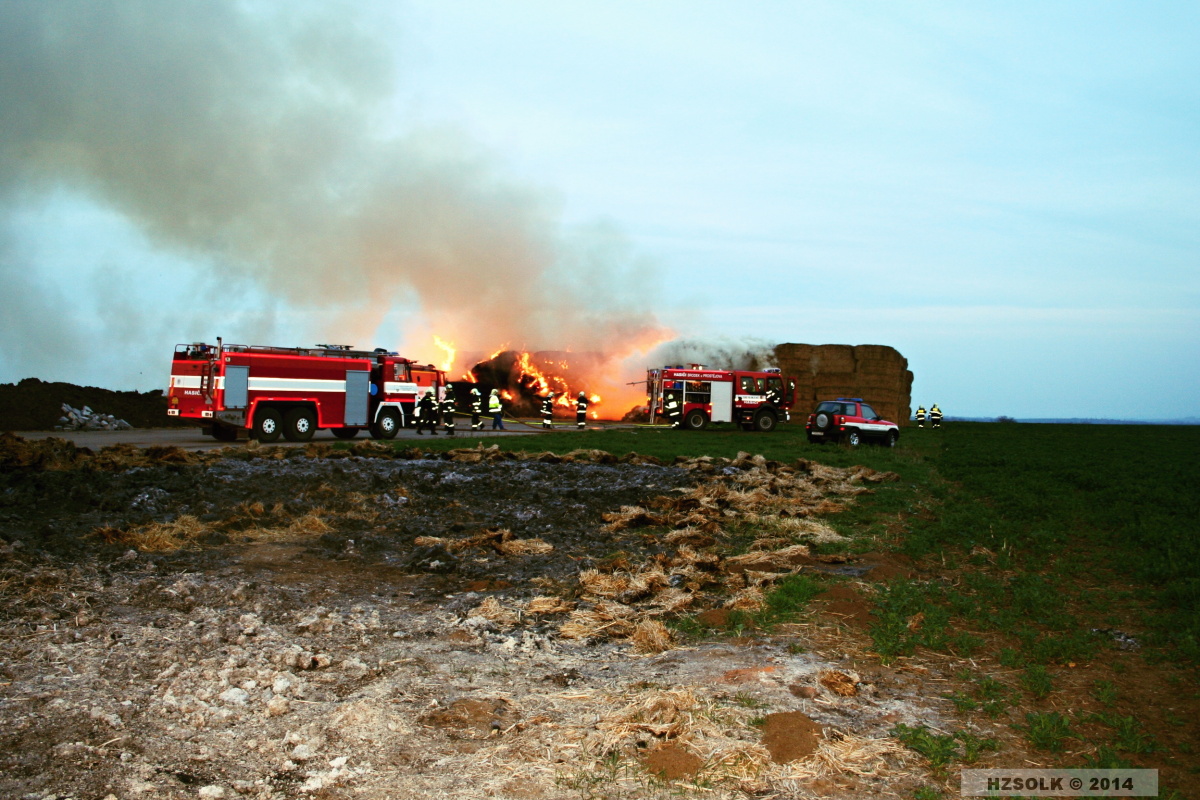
(876, 373)
(84, 419)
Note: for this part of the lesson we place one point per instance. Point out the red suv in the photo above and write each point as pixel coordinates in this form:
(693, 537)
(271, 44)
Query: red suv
(851, 420)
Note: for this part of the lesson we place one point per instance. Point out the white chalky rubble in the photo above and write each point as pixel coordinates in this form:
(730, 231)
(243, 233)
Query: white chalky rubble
(84, 419)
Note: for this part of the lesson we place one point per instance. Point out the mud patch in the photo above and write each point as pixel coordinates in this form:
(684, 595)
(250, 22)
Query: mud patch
(790, 736)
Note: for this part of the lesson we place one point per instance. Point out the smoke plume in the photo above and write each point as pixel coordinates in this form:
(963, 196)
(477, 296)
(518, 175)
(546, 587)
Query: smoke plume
(716, 353)
(258, 144)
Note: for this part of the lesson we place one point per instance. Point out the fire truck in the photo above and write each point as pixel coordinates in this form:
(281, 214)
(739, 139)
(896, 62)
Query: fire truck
(756, 400)
(266, 392)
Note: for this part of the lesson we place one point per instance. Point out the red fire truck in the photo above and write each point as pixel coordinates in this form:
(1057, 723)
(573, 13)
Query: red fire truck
(756, 400)
(294, 391)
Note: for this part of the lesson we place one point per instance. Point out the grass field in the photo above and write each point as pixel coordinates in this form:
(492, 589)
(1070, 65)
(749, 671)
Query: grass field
(1053, 557)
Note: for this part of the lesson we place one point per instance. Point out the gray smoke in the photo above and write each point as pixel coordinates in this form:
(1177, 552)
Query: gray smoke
(716, 353)
(258, 144)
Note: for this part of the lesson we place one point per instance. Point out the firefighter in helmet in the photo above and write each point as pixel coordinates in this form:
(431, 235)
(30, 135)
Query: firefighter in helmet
(920, 416)
(581, 407)
(548, 409)
(427, 414)
(448, 409)
(476, 409)
(673, 410)
(774, 395)
(496, 409)
(935, 416)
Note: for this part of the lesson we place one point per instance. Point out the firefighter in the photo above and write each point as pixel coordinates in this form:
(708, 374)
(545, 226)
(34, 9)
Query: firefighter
(581, 407)
(476, 410)
(448, 409)
(920, 416)
(427, 414)
(673, 410)
(548, 410)
(935, 416)
(496, 410)
(774, 396)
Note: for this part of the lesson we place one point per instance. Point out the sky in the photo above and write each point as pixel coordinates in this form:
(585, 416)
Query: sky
(1006, 193)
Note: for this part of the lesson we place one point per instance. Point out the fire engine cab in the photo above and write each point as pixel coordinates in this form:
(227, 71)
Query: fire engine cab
(294, 391)
(756, 400)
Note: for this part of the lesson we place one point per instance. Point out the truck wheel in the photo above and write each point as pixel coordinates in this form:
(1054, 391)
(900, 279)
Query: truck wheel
(696, 420)
(764, 421)
(267, 425)
(345, 433)
(299, 425)
(224, 433)
(386, 426)
(853, 438)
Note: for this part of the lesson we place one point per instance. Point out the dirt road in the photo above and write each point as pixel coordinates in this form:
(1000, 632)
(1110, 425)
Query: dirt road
(193, 439)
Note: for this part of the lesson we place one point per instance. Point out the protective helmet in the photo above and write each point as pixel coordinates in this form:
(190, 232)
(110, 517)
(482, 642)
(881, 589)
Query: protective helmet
(474, 391)
(582, 394)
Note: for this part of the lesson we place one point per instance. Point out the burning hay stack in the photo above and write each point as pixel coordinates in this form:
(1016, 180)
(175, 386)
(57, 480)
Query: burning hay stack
(524, 378)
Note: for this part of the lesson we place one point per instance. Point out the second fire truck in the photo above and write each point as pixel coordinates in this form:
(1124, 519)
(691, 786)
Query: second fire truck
(268, 392)
(756, 400)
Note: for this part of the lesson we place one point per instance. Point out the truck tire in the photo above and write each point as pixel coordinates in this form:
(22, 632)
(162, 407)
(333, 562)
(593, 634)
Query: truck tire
(853, 437)
(345, 433)
(224, 433)
(386, 425)
(299, 425)
(696, 420)
(764, 421)
(267, 425)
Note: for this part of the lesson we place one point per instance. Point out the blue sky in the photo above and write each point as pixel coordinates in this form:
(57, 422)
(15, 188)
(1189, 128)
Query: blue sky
(1007, 193)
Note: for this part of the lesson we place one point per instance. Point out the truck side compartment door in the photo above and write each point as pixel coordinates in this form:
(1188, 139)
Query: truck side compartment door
(722, 401)
(237, 386)
(358, 396)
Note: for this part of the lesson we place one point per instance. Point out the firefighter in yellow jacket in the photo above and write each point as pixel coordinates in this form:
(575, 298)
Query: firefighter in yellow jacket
(935, 416)
(920, 416)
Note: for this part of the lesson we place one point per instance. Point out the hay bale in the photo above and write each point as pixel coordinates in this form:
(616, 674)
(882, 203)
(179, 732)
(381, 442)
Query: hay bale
(651, 636)
(548, 605)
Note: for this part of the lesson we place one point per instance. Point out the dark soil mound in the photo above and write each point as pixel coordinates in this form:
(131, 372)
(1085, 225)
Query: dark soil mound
(35, 405)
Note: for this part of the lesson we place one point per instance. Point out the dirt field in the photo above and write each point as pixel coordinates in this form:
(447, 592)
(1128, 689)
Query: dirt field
(275, 623)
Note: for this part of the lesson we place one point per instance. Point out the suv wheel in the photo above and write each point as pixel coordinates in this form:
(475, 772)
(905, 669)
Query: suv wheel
(853, 437)
(891, 439)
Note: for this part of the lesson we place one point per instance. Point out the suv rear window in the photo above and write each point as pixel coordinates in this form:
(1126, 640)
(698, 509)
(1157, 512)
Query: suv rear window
(837, 408)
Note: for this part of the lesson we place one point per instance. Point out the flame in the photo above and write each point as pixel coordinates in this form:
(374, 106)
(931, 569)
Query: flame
(447, 348)
(613, 382)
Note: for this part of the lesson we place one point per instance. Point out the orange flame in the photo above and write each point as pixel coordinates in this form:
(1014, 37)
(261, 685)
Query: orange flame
(447, 348)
